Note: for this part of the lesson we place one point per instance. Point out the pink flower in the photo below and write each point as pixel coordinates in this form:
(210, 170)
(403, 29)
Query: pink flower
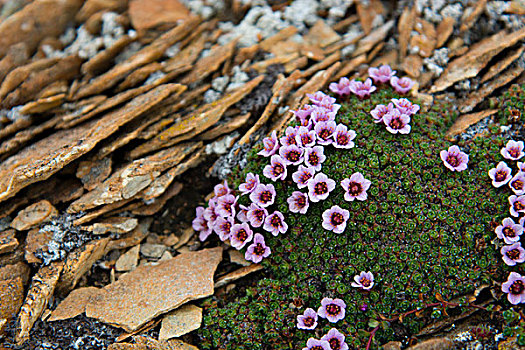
(361, 89)
(289, 138)
(513, 254)
(454, 159)
(320, 187)
(308, 320)
(314, 157)
(500, 175)
(324, 132)
(210, 213)
(521, 166)
(274, 223)
(263, 195)
(314, 344)
(402, 85)
(221, 189)
(509, 231)
(303, 175)
(303, 115)
(364, 280)
(222, 228)
(515, 288)
(336, 340)
(276, 170)
(271, 145)
(200, 224)
(318, 97)
(240, 235)
(397, 122)
(226, 205)
(381, 74)
(241, 214)
(517, 184)
(380, 111)
(328, 103)
(291, 154)
(305, 138)
(257, 250)
(405, 106)
(321, 114)
(335, 218)
(355, 187)
(332, 309)
(513, 150)
(517, 205)
(256, 215)
(298, 202)
(252, 180)
(341, 88)
(343, 137)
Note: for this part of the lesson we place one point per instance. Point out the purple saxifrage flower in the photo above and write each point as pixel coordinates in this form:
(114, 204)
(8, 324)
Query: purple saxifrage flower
(276, 170)
(364, 280)
(454, 159)
(315, 344)
(256, 215)
(341, 88)
(500, 175)
(517, 205)
(263, 195)
(324, 132)
(210, 213)
(405, 106)
(252, 180)
(241, 213)
(509, 231)
(226, 205)
(271, 145)
(361, 89)
(314, 157)
(303, 175)
(221, 189)
(308, 320)
(298, 202)
(521, 166)
(380, 111)
(321, 114)
(343, 137)
(336, 340)
(305, 137)
(513, 254)
(332, 309)
(240, 235)
(515, 288)
(381, 74)
(274, 223)
(335, 218)
(328, 104)
(355, 187)
(303, 115)
(318, 97)
(291, 154)
(401, 85)
(222, 228)
(257, 250)
(289, 138)
(397, 122)
(200, 224)
(517, 184)
(513, 150)
(319, 187)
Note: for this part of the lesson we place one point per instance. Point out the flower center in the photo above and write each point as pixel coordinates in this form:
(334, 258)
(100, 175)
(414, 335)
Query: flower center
(226, 226)
(305, 177)
(500, 175)
(250, 184)
(336, 219)
(301, 201)
(518, 206)
(221, 192)
(517, 287)
(365, 282)
(317, 347)
(268, 146)
(333, 309)
(275, 221)
(508, 232)
(355, 188)
(309, 321)
(259, 249)
(306, 139)
(335, 344)
(325, 134)
(320, 188)
(242, 235)
(513, 254)
(313, 158)
(227, 207)
(514, 152)
(290, 139)
(396, 124)
(265, 196)
(278, 169)
(453, 160)
(293, 156)
(342, 139)
(518, 185)
(259, 215)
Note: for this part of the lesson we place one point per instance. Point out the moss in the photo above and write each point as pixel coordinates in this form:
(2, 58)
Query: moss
(423, 230)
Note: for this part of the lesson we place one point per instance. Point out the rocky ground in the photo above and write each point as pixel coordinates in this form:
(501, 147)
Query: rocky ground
(118, 117)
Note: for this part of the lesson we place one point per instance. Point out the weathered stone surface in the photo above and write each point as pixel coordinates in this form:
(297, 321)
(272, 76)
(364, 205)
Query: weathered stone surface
(377, 35)
(11, 297)
(34, 215)
(93, 172)
(18, 270)
(133, 238)
(74, 304)
(8, 241)
(38, 296)
(463, 122)
(237, 274)
(144, 209)
(129, 260)
(149, 291)
(321, 34)
(36, 240)
(150, 250)
(443, 31)
(118, 224)
(185, 319)
(145, 14)
(237, 257)
(502, 64)
(434, 344)
(145, 343)
(44, 158)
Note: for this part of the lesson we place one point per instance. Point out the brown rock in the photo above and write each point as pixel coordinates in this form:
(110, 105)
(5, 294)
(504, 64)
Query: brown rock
(138, 76)
(237, 274)
(34, 215)
(434, 344)
(129, 260)
(117, 224)
(150, 250)
(471, 15)
(12, 271)
(43, 104)
(377, 35)
(12, 297)
(185, 319)
(367, 11)
(36, 240)
(470, 64)
(74, 304)
(412, 65)
(145, 343)
(425, 45)
(146, 14)
(149, 291)
(392, 345)
(16, 56)
(8, 241)
(237, 257)
(502, 64)
(103, 60)
(143, 209)
(462, 123)
(93, 172)
(133, 238)
(184, 60)
(404, 26)
(443, 31)
(321, 34)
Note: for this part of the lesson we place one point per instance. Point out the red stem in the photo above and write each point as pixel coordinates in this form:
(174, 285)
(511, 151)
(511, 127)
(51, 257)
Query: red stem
(371, 337)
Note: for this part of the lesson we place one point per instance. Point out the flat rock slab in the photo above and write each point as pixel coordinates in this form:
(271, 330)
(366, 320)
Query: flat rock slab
(185, 319)
(149, 291)
(129, 260)
(147, 14)
(34, 215)
(74, 304)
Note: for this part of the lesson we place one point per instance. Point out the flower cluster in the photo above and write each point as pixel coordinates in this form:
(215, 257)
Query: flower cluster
(331, 309)
(396, 115)
(454, 159)
(510, 231)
